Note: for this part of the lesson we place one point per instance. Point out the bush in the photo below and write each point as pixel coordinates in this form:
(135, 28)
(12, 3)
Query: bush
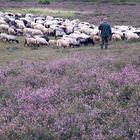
(43, 1)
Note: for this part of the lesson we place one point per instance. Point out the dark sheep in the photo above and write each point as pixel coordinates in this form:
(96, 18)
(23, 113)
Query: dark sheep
(138, 33)
(7, 20)
(74, 43)
(86, 41)
(45, 37)
(25, 22)
(13, 23)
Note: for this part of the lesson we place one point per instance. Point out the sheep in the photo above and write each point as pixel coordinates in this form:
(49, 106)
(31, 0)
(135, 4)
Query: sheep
(12, 38)
(29, 41)
(18, 15)
(59, 33)
(33, 24)
(8, 21)
(9, 14)
(35, 40)
(8, 38)
(47, 24)
(4, 27)
(81, 38)
(1, 14)
(116, 37)
(137, 32)
(77, 32)
(122, 27)
(50, 17)
(3, 36)
(86, 41)
(39, 27)
(40, 41)
(96, 38)
(95, 31)
(87, 30)
(36, 32)
(27, 31)
(62, 43)
(74, 35)
(25, 21)
(77, 38)
(52, 43)
(2, 21)
(130, 36)
(83, 29)
(45, 37)
(45, 31)
(28, 15)
(19, 31)
(69, 29)
(73, 42)
(12, 31)
(20, 24)
(51, 32)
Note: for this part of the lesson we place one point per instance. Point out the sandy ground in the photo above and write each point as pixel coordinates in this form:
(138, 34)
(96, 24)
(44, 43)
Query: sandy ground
(90, 12)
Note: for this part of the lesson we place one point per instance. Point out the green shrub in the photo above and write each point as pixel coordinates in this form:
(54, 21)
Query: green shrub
(43, 1)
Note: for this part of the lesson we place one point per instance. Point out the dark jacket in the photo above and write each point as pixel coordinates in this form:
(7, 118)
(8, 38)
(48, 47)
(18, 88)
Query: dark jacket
(105, 29)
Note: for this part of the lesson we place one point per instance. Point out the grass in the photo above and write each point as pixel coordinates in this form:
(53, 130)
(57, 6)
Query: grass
(42, 11)
(11, 52)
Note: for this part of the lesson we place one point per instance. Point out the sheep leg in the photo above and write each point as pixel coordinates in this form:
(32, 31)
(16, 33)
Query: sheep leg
(16, 41)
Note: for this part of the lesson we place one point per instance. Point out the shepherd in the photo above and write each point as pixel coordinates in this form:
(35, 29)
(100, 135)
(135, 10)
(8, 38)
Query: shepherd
(106, 33)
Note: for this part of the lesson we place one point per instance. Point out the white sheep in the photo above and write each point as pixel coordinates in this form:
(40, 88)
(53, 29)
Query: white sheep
(20, 24)
(59, 33)
(12, 38)
(131, 36)
(39, 27)
(62, 43)
(45, 31)
(2, 21)
(69, 29)
(40, 41)
(4, 27)
(6, 37)
(33, 24)
(52, 43)
(72, 41)
(3, 36)
(36, 32)
(116, 37)
(27, 31)
(29, 41)
(96, 38)
(12, 31)
(19, 31)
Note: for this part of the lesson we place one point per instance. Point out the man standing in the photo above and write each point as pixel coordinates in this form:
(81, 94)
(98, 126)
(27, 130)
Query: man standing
(105, 33)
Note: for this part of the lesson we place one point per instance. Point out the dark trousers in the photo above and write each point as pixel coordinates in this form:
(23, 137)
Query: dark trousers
(104, 42)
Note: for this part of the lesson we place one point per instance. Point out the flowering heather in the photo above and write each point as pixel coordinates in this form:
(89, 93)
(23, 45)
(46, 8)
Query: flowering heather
(77, 97)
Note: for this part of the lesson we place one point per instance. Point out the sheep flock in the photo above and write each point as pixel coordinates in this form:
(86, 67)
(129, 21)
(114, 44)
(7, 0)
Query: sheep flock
(57, 32)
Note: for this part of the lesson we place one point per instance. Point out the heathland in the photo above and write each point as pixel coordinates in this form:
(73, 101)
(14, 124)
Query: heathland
(71, 93)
